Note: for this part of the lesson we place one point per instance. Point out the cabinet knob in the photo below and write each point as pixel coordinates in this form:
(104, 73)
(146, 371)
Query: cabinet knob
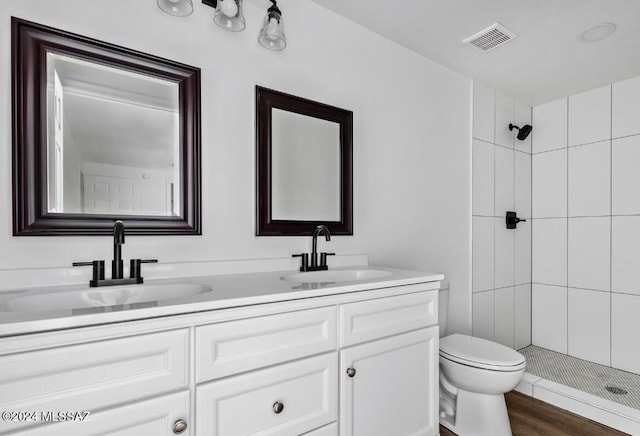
(278, 407)
(351, 372)
(179, 426)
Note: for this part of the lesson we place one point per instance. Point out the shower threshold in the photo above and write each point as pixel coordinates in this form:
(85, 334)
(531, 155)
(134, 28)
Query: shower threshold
(601, 393)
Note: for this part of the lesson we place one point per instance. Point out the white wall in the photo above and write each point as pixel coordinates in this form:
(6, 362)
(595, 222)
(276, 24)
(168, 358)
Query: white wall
(501, 182)
(411, 135)
(586, 227)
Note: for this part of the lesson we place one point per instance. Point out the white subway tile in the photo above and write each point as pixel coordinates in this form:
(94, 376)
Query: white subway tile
(522, 313)
(483, 315)
(589, 253)
(504, 254)
(549, 317)
(504, 316)
(523, 185)
(625, 107)
(625, 180)
(484, 110)
(523, 252)
(589, 325)
(625, 325)
(504, 116)
(549, 126)
(483, 253)
(589, 179)
(504, 181)
(590, 116)
(625, 254)
(483, 178)
(549, 193)
(549, 248)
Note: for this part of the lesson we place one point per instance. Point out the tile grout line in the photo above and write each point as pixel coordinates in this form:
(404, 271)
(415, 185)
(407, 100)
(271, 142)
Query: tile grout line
(567, 224)
(493, 227)
(531, 233)
(611, 225)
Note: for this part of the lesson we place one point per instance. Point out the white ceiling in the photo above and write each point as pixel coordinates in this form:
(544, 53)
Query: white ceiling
(543, 63)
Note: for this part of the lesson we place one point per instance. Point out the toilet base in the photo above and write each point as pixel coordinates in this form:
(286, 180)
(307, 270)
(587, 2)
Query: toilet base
(479, 415)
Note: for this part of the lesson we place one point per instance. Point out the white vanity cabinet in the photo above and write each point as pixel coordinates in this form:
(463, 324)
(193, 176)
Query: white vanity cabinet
(359, 363)
(389, 379)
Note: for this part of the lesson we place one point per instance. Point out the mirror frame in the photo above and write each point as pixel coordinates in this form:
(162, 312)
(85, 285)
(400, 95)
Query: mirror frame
(30, 44)
(268, 99)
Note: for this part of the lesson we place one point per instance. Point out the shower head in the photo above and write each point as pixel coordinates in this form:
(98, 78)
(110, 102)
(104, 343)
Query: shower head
(523, 131)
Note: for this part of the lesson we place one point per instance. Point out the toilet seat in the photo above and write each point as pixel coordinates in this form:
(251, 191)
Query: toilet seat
(480, 353)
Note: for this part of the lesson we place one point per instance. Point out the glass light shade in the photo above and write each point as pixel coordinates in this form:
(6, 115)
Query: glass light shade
(229, 15)
(272, 34)
(177, 8)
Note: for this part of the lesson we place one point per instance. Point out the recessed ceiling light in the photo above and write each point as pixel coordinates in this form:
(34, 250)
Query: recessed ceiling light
(597, 33)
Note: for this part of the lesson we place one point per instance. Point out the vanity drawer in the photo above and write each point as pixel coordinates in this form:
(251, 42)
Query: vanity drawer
(248, 404)
(368, 320)
(90, 376)
(155, 417)
(239, 346)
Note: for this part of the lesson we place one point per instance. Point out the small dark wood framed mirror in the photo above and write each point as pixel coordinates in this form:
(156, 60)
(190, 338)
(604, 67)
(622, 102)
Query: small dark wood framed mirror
(304, 166)
(102, 132)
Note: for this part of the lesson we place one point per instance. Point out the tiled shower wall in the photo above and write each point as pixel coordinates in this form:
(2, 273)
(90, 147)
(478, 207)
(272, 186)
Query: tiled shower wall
(586, 225)
(501, 183)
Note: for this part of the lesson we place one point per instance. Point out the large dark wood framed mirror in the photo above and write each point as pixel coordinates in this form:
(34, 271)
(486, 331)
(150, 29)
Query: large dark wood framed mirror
(304, 166)
(102, 132)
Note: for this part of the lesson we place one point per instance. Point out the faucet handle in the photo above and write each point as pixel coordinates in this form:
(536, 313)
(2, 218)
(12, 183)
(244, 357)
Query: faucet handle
(323, 258)
(134, 267)
(98, 268)
(304, 260)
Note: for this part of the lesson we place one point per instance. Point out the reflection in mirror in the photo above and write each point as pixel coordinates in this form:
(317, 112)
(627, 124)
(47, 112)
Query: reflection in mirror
(102, 132)
(112, 140)
(305, 165)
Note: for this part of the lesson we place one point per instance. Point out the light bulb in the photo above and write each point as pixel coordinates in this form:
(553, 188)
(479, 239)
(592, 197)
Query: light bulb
(229, 8)
(272, 29)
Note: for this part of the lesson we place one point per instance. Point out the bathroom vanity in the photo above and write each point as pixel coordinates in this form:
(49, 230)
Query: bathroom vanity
(349, 352)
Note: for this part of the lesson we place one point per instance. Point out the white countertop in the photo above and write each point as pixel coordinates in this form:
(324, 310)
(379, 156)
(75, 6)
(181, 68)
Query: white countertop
(232, 290)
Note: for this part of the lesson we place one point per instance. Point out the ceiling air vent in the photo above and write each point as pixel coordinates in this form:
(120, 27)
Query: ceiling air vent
(490, 38)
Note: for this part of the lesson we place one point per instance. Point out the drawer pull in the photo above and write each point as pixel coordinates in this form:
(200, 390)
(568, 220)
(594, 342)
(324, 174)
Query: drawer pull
(351, 372)
(278, 407)
(179, 426)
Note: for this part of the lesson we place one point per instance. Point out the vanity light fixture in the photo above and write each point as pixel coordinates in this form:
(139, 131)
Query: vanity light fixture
(272, 33)
(229, 16)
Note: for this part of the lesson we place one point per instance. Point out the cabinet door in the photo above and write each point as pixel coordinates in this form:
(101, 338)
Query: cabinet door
(160, 416)
(390, 386)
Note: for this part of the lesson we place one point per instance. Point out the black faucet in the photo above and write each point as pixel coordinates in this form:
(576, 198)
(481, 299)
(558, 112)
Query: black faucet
(312, 265)
(117, 267)
(321, 229)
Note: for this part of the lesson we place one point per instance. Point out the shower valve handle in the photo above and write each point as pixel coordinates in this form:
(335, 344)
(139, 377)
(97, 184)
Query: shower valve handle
(512, 220)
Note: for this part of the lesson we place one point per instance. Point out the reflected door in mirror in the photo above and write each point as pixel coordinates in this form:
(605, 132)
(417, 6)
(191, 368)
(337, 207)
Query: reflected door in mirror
(113, 145)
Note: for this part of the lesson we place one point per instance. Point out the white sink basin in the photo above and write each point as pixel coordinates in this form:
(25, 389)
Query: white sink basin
(337, 275)
(103, 297)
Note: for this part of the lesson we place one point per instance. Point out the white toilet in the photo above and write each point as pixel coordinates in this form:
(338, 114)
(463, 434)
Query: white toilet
(474, 375)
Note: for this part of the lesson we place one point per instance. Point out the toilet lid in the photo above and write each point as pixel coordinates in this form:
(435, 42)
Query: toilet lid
(479, 352)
